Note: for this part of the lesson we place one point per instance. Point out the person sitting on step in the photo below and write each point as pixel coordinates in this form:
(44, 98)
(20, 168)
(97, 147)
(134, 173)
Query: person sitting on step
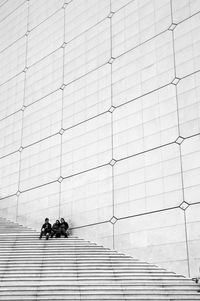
(46, 229)
(63, 227)
(56, 229)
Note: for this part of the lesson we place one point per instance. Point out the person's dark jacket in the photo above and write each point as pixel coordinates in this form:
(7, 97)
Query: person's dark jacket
(64, 225)
(56, 226)
(46, 226)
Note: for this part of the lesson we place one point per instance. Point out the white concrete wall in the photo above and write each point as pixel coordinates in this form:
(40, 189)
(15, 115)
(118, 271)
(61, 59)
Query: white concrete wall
(100, 122)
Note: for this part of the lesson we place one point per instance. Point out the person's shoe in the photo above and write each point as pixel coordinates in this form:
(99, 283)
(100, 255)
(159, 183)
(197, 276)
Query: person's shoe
(47, 237)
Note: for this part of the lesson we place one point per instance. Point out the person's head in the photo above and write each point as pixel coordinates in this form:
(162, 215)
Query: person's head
(62, 220)
(57, 222)
(46, 220)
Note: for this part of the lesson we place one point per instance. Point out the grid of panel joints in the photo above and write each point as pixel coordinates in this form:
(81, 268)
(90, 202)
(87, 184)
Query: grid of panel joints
(113, 161)
(112, 108)
(25, 107)
(184, 205)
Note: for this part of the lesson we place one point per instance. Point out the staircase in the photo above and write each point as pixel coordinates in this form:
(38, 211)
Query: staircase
(75, 269)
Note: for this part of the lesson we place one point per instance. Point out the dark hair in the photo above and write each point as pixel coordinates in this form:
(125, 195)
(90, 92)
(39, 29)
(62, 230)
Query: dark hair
(46, 219)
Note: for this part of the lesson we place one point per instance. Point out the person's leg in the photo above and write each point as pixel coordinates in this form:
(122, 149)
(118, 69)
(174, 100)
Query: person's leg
(64, 232)
(59, 232)
(41, 233)
(47, 234)
(56, 233)
(53, 233)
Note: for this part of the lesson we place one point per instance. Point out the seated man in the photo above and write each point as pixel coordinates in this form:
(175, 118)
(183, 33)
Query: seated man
(56, 230)
(63, 227)
(46, 229)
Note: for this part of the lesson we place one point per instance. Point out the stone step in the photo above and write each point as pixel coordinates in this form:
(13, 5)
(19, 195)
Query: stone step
(101, 292)
(99, 297)
(67, 259)
(10, 265)
(46, 262)
(85, 255)
(21, 285)
(91, 272)
(16, 265)
(67, 245)
(81, 273)
(93, 286)
(68, 251)
(95, 259)
(87, 278)
(87, 268)
(92, 282)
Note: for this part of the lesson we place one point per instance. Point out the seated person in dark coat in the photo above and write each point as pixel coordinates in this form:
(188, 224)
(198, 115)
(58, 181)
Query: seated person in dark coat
(63, 227)
(46, 229)
(56, 229)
